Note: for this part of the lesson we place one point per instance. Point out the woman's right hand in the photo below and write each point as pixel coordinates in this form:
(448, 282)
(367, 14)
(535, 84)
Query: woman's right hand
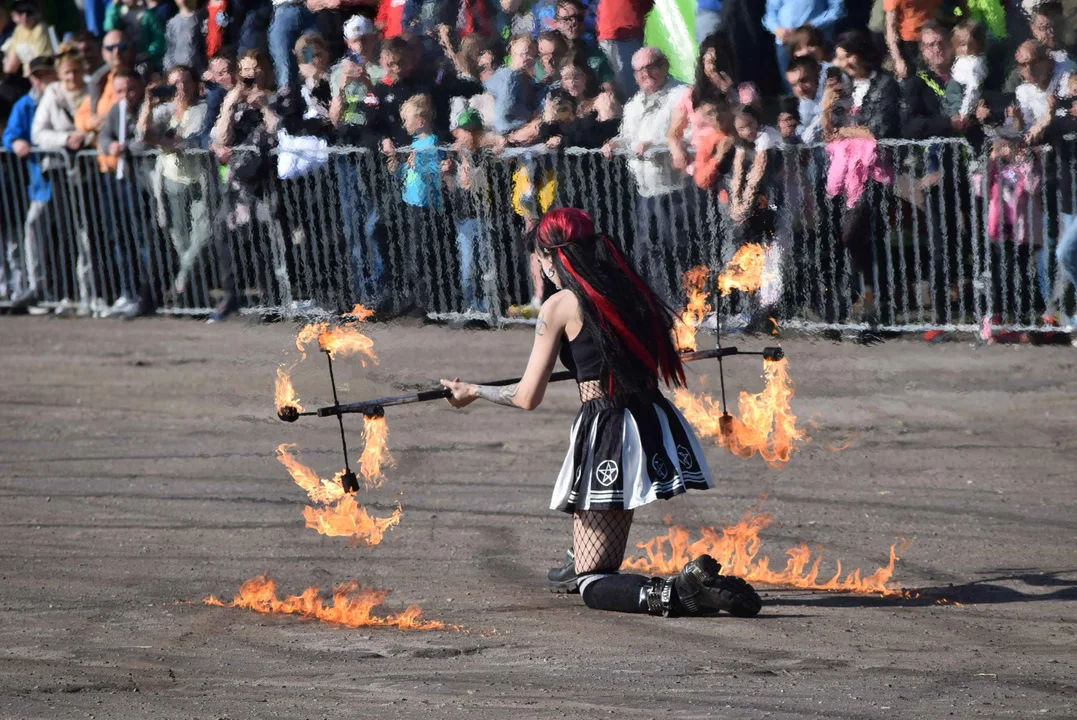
(463, 394)
(75, 141)
(679, 157)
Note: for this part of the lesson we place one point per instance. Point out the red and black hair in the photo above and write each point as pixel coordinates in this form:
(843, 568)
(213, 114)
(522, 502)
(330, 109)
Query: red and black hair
(633, 327)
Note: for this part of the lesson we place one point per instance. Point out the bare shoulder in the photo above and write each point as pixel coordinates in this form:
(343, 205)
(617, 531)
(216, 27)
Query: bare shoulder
(557, 312)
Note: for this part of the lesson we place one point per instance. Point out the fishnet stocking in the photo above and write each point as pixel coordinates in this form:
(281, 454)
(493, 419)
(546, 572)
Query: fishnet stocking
(599, 537)
(591, 390)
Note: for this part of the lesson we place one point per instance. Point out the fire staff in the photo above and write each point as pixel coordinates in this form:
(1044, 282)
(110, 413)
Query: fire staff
(629, 445)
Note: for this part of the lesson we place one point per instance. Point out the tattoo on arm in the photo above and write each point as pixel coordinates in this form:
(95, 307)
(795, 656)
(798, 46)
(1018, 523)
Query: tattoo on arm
(499, 395)
(541, 326)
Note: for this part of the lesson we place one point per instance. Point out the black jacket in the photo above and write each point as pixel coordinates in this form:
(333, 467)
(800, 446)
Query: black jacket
(880, 112)
(924, 116)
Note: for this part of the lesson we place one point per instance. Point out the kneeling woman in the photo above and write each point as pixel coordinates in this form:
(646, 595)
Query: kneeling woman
(630, 446)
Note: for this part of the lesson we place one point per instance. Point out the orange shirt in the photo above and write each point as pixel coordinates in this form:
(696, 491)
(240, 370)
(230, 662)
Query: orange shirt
(911, 15)
(84, 120)
(707, 158)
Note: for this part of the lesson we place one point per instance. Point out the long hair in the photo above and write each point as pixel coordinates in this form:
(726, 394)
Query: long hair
(704, 90)
(632, 327)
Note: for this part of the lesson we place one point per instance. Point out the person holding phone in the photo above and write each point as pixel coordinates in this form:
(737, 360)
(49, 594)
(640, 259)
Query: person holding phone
(714, 84)
(171, 119)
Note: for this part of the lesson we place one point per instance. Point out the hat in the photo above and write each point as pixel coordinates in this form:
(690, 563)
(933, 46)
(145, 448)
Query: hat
(42, 62)
(357, 26)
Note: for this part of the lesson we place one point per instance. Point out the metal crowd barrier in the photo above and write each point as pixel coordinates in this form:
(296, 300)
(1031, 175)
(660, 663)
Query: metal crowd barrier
(939, 235)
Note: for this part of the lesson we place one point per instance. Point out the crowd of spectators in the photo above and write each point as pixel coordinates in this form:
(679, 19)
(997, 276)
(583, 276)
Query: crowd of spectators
(407, 78)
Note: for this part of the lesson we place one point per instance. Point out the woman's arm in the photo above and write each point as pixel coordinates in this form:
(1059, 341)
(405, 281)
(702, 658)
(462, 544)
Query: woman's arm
(675, 137)
(528, 393)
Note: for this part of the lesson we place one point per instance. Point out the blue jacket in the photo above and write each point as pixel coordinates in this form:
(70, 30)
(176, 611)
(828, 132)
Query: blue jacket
(18, 128)
(794, 13)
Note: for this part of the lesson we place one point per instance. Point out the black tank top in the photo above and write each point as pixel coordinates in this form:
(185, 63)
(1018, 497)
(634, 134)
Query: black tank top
(581, 355)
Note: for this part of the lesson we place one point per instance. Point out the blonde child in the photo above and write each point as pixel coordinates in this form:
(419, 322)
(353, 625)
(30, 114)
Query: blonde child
(970, 67)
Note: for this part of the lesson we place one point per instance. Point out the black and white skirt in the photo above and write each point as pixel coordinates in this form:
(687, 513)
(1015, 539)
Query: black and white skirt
(626, 454)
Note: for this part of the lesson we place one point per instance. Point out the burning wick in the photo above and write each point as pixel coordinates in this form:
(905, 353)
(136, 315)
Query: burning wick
(288, 413)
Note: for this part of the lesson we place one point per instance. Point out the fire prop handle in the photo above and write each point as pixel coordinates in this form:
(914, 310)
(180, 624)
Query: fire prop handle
(376, 408)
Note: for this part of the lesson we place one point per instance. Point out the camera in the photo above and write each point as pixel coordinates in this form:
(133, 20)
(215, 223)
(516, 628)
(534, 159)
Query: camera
(164, 92)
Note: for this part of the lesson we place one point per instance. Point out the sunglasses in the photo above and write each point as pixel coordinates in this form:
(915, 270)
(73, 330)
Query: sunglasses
(648, 68)
(118, 46)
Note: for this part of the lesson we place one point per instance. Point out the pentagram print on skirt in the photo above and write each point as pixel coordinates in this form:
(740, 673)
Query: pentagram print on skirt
(627, 452)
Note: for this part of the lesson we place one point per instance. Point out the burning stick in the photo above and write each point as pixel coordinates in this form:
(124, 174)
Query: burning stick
(695, 309)
(377, 407)
(744, 271)
(352, 606)
(737, 548)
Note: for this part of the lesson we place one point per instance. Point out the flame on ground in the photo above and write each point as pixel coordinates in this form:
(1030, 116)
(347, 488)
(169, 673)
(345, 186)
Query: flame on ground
(737, 549)
(352, 606)
(339, 341)
(347, 518)
(360, 313)
(695, 309)
(765, 425)
(285, 395)
(375, 451)
(744, 271)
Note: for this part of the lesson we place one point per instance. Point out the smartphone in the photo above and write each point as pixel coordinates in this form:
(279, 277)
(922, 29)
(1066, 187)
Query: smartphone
(164, 92)
(833, 73)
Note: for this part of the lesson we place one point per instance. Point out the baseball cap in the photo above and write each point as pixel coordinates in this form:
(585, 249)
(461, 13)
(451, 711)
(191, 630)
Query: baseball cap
(357, 26)
(42, 62)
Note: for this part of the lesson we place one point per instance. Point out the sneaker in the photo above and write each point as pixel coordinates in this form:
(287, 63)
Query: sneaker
(122, 305)
(140, 309)
(66, 308)
(25, 299)
(227, 306)
(936, 336)
(563, 579)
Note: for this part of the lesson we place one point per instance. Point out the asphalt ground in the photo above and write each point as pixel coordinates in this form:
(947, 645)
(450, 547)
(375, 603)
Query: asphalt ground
(137, 476)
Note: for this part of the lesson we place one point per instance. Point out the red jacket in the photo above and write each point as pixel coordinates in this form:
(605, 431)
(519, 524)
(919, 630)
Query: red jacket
(622, 19)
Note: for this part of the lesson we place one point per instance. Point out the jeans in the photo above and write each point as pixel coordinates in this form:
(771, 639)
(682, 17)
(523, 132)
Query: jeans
(472, 247)
(1066, 252)
(361, 225)
(782, 54)
(664, 241)
(619, 53)
(288, 23)
(707, 22)
(120, 201)
(188, 220)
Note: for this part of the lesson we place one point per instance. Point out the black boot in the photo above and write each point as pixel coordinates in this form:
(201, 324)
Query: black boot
(563, 579)
(700, 589)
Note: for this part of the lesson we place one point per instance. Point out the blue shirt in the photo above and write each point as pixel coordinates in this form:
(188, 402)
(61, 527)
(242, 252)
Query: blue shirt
(515, 99)
(709, 5)
(18, 128)
(422, 173)
(791, 14)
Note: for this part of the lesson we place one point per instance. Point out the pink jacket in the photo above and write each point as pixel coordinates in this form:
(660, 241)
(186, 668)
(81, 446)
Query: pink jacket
(852, 164)
(1014, 203)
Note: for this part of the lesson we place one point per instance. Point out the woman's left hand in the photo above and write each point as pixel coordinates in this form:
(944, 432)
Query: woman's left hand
(463, 394)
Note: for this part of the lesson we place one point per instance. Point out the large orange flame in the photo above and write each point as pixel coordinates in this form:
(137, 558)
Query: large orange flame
(744, 271)
(695, 309)
(737, 549)
(284, 395)
(360, 313)
(347, 518)
(375, 451)
(318, 489)
(766, 424)
(337, 340)
(352, 606)
(341, 515)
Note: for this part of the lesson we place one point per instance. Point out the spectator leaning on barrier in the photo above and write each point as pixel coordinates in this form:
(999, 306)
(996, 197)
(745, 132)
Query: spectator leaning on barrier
(713, 83)
(620, 26)
(661, 201)
(352, 81)
(119, 57)
(24, 289)
(904, 18)
(172, 119)
(141, 27)
(1036, 97)
(217, 81)
(88, 47)
(783, 17)
(130, 243)
(55, 128)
